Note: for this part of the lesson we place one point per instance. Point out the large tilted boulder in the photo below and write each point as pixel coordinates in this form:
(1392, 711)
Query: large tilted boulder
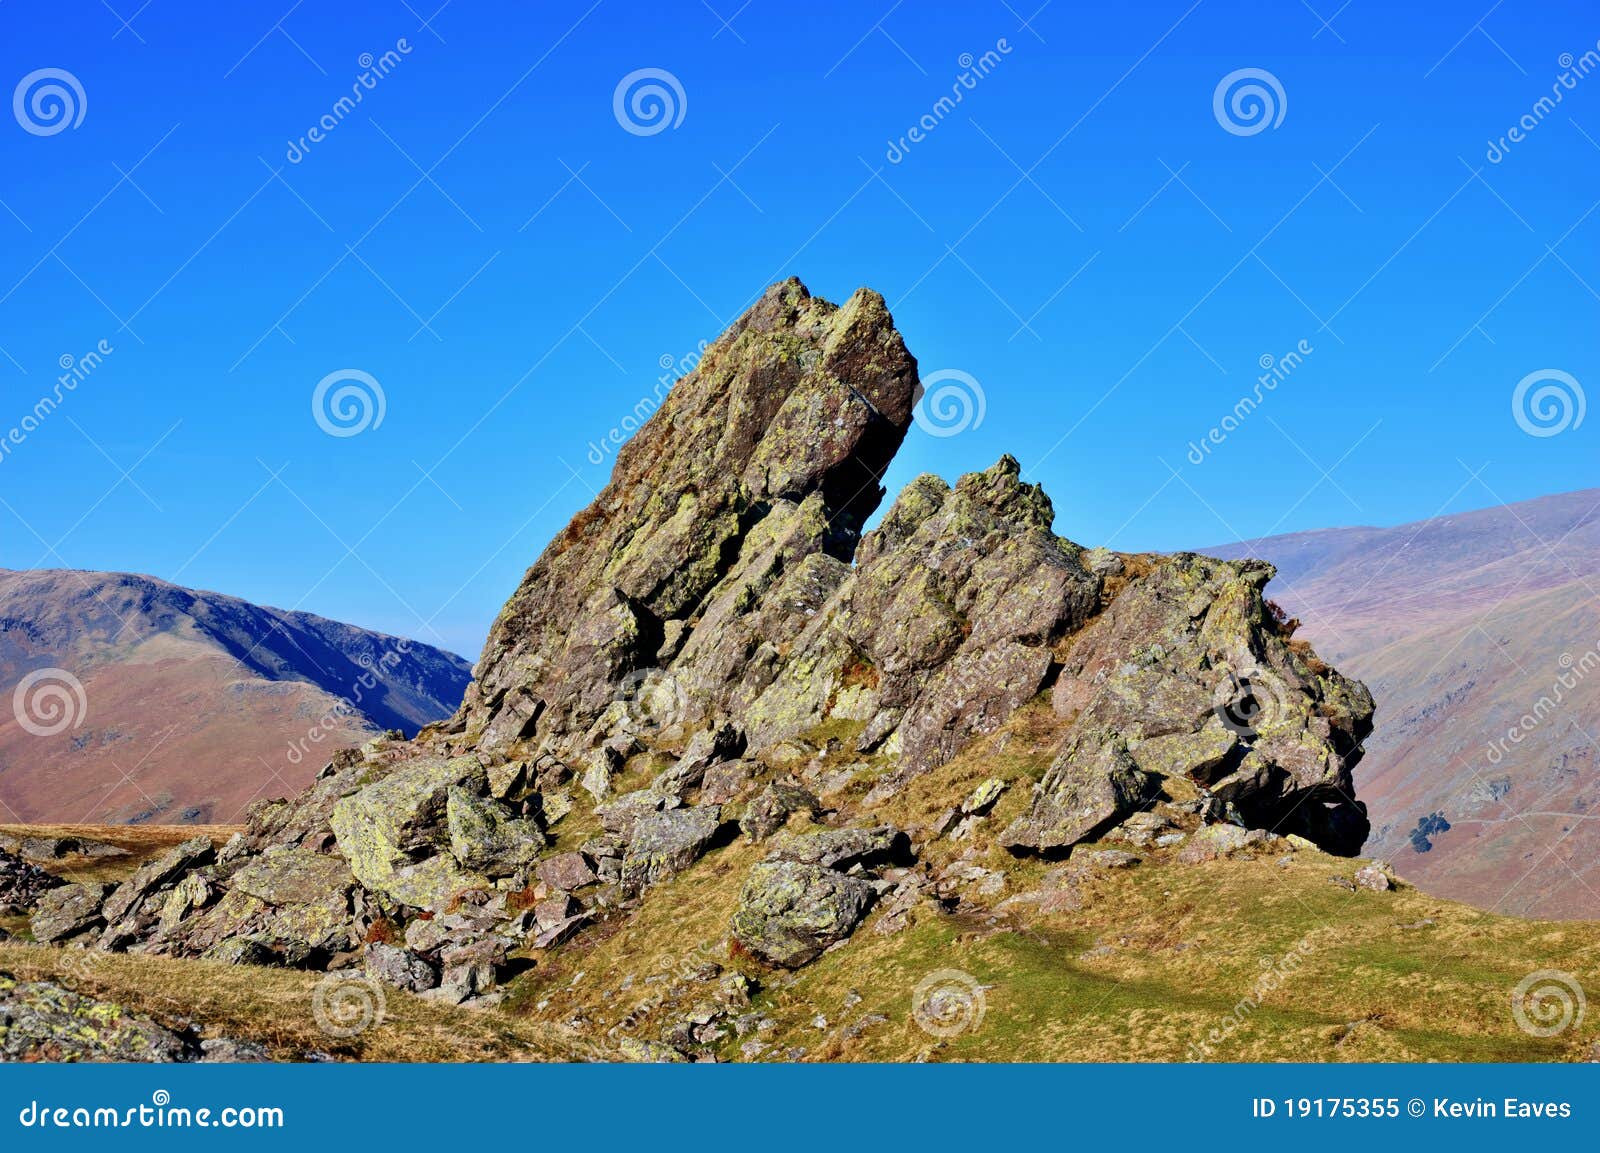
(770, 453)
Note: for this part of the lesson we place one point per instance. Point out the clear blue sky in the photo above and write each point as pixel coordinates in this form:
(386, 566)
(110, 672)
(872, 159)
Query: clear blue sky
(1080, 235)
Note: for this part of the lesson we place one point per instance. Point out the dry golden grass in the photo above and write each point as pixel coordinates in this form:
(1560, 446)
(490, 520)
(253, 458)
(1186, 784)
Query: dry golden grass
(139, 842)
(274, 1007)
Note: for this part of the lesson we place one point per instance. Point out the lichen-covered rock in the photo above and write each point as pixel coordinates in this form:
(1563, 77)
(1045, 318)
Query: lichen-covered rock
(770, 809)
(486, 838)
(69, 911)
(386, 826)
(789, 912)
(154, 874)
(1188, 667)
(40, 1021)
(567, 872)
(1090, 787)
(799, 397)
(666, 843)
(843, 849)
(1216, 841)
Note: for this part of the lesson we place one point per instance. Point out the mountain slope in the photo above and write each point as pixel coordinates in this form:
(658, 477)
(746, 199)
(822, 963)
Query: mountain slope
(191, 703)
(1466, 627)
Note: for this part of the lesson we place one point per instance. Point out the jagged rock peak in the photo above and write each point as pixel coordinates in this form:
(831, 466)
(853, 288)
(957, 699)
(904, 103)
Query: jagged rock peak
(780, 435)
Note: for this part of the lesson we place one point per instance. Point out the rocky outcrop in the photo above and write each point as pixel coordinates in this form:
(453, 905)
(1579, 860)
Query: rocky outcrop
(715, 647)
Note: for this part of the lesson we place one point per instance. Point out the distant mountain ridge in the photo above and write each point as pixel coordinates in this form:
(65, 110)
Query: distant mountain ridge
(1467, 627)
(191, 702)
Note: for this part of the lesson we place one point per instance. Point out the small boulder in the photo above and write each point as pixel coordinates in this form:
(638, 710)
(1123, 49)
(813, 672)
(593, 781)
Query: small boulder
(68, 911)
(567, 872)
(486, 838)
(399, 967)
(843, 849)
(41, 1021)
(667, 843)
(772, 807)
(790, 912)
(983, 798)
(1375, 877)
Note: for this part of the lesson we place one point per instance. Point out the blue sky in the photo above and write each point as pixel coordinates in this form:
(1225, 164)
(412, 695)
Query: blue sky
(1082, 236)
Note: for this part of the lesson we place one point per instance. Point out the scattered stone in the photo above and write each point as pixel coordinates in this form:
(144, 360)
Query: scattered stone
(789, 912)
(726, 782)
(772, 807)
(983, 798)
(843, 849)
(648, 1052)
(1090, 787)
(69, 911)
(666, 843)
(1342, 882)
(153, 874)
(398, 967)
(22, 884)
(568, 872)
(1112, 859)
(229, 1050)
(1375, 877)
(1214, 841)
(485, 838)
